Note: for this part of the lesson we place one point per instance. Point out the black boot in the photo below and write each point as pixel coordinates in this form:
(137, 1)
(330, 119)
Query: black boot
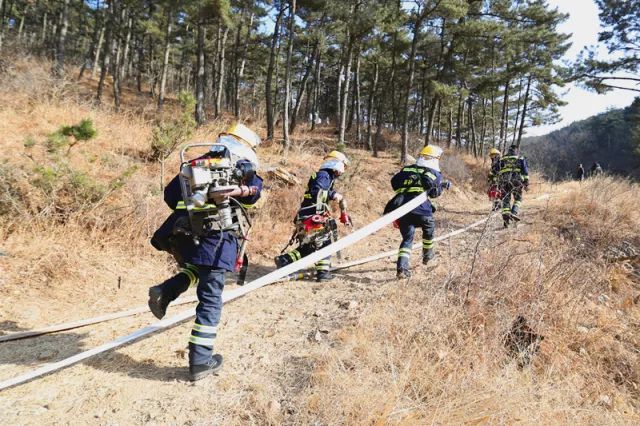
(403, 274)
(324, 276)
(281, 261)
(158, 302)
(197, 372)
(427, 256)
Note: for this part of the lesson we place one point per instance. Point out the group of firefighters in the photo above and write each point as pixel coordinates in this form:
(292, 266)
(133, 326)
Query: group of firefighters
(204, 261)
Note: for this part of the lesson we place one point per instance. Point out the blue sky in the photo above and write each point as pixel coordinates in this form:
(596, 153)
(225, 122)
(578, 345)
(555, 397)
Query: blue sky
(584, 24)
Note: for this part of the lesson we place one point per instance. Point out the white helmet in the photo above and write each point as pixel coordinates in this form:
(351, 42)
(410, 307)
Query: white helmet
(239, 151)
(333, 164)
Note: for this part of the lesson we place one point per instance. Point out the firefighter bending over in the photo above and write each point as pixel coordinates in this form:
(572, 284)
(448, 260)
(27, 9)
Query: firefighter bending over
(512, 174)
(315, 228)
(408, 183)
(206, 232)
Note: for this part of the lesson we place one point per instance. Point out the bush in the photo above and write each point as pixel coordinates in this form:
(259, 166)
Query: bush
(81, 132)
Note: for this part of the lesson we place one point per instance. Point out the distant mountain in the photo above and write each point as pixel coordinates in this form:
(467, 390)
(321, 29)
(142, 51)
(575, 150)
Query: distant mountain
(611, 139)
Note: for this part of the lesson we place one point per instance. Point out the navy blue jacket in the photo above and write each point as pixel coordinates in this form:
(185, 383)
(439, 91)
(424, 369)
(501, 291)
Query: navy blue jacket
(322, 180)
(510, 166)
(412, 181)
(217, 249)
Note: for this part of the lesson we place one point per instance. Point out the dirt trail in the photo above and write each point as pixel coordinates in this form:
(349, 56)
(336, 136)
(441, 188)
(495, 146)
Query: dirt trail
(267, 338)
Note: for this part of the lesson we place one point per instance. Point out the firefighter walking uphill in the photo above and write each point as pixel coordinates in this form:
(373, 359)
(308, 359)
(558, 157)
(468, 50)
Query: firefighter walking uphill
(408, 183)
(206, 232)
(315, 228)
(512, 174)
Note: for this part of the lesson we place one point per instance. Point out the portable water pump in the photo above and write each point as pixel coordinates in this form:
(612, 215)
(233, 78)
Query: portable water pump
(205, 183)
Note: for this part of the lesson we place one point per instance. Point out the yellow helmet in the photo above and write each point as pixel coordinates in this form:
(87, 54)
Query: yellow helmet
(494, 153)
(243, 134)
(431, 151)
(338, 156)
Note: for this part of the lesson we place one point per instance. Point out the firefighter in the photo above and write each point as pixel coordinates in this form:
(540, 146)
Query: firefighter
(512, 175)
(408, 183)
(579, 173)
(205, 262)
(314, 224)
(494, 191)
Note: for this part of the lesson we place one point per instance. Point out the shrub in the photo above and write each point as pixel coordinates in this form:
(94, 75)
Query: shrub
(80, 132)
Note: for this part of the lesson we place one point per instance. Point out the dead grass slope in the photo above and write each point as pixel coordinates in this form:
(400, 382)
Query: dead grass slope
(442, 350)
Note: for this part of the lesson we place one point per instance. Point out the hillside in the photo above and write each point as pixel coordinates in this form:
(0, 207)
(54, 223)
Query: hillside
(611, 138)
(535, 324)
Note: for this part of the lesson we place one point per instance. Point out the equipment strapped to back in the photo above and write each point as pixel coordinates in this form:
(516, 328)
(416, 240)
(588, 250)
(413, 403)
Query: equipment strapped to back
(204, 183)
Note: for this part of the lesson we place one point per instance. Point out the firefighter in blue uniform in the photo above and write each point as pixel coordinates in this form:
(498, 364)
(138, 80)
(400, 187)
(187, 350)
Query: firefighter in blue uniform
(512, 174)
(204, 262)
(313, 211)
(408, 183)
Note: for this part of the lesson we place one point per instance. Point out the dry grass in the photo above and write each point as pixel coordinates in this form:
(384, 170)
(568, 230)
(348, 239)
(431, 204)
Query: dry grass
(428, 353)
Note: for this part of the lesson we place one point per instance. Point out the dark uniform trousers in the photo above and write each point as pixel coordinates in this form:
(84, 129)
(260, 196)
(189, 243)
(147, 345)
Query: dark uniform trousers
(511, 186)
(408, 224)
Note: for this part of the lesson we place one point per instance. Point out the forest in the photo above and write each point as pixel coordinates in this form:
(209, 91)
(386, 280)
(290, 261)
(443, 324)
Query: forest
(611, 138)
(469, 73)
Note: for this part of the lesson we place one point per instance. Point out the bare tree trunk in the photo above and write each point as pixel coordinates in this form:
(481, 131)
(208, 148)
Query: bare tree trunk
(515, 125)
(96, 56)
(483, 131)
(524, 110)
(118, 62)
(58, 67)
(339, 92)
(287, 76)
(450, 128)
(165, 62)
(316, 92)
(472, 128)
(430, 120)
(221, 59)
(2, 12)
(140, 64)
(459, 119)
(200, 80)
(104, 70)
(235, 82)
(372, 94)
(345, 93)
(379, 124)
(270, 68)
(358, 102)
(505, 115)
(243, 59)
(407, 91)
(303, 86)
(127, 48)
(96, 40)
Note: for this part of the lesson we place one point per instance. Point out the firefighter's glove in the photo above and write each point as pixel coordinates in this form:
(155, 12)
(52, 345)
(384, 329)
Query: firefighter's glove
(345, 219)
(396, 224)
(446, 184)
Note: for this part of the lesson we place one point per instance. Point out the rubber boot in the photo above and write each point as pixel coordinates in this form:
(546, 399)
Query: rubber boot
(158, 302)
(197, 372)
(161, 295)
(427, 256)
(403, 274)
(324, 276)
